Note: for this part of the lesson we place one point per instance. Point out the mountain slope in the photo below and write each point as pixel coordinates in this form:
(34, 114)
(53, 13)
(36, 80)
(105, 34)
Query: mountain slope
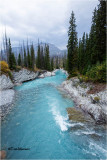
(53, 49)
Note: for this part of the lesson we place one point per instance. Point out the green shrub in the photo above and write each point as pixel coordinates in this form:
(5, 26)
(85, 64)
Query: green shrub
(97, 73)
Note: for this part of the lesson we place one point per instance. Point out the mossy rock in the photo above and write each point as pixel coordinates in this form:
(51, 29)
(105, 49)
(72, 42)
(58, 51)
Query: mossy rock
(97, 99)
(96, 137)
(77, 127)
(2, 154)
(77, 115)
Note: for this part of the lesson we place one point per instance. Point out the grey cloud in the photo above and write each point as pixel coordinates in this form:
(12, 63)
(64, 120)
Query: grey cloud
(47, 20)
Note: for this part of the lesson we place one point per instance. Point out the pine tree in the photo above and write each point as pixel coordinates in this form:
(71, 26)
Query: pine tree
(88, 56)
(42, 58)
(93, 46)
(64, 61)
(25, 58)
(28, 58)
(22, 59)
(38, 60)
(6, 48)
(57, 62)
(80, 55)
(10, 55)
(19, 60)
(101, 31)
(83, 55)
(47, 59)
(52, 64)
(72, 45)
(32, 57)
(98, 34)
(13, 61)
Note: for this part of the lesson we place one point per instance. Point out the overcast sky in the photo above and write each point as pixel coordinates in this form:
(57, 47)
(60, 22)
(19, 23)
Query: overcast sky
(47, 20)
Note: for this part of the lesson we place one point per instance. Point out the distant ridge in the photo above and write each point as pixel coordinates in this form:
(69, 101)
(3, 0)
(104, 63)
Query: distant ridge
(54, 51)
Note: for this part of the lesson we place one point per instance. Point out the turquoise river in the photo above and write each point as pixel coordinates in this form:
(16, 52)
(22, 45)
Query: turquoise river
(39, 122)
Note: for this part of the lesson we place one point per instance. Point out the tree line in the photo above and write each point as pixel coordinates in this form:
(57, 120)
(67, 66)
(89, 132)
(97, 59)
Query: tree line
(89, 51)
(27, 57)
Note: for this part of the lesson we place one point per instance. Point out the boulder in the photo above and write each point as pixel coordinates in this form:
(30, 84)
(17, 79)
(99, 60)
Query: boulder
(77, 115)
(5, 82)
(24, 75)
(47, 74)
(53, 74)
(2, 154)
(6, 96)
(41, 76)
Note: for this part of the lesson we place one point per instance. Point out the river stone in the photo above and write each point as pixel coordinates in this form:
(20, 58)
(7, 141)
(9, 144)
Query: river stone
(77, 115)
(47, 74)
(24, 75)
(41, 76)
(2, 154)
(5, 82)
(53, 73)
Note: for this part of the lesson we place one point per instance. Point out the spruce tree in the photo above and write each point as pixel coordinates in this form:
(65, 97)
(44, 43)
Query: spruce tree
(52, 64)
(93, 39)
(10, 55)
(101, 31)
(38, 60)
(19, 60)
(72, 45)
(25, 58)
(28, 58)
(32, 57)
(83, 55)
(47, 58)
(42, 58)
(57, 62)
(13, 61)
(88, 56)
(80, 55)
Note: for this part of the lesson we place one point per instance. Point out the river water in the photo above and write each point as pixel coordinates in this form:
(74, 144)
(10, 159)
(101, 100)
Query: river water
(39, 122)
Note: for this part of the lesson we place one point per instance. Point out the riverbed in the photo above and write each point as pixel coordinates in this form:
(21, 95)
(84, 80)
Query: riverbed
(38, 126)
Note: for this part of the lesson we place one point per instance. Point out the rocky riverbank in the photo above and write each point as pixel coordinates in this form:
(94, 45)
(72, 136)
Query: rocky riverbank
(90, 102)
(24, 75)
(7, 92)
(46, 74)
(7, 95)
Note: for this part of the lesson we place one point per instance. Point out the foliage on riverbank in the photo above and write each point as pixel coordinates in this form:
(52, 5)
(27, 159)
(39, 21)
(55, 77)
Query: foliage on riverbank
(88, 56)
(4, 68)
